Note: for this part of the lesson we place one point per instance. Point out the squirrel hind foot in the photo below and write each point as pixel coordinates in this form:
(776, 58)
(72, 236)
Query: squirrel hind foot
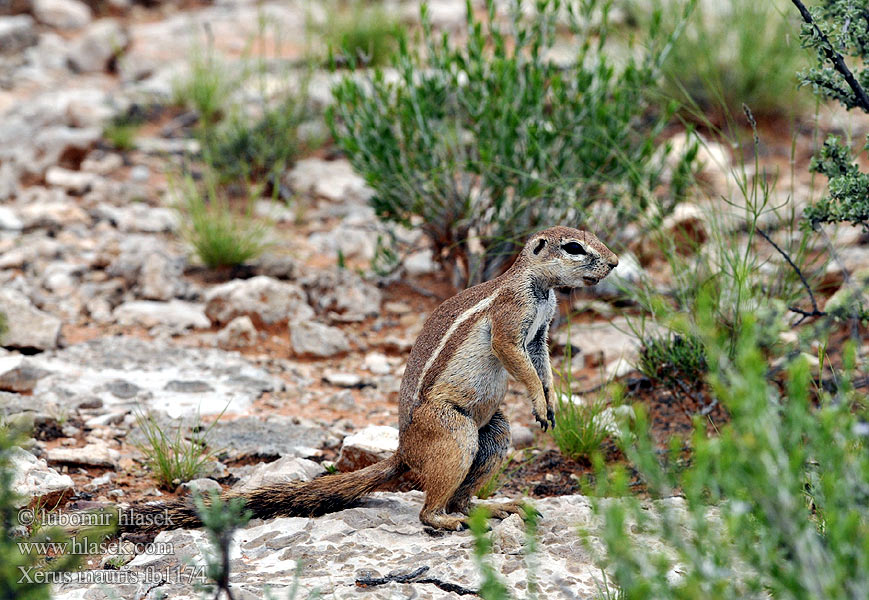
(443, 522)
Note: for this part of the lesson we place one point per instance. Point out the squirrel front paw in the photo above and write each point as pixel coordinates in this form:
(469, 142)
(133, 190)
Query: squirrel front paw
(542, 412)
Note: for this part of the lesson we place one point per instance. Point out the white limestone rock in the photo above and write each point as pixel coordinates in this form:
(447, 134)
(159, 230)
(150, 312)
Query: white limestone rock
(263, 299)
(32, 478)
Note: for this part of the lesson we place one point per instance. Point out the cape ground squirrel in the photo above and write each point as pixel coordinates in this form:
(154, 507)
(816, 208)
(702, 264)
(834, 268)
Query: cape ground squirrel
(453, 435)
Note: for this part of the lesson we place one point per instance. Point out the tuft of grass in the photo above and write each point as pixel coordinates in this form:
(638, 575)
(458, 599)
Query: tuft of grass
(174, 459)
(220, 236)
(361, 34)
(121, 135)
(579, 431)
(205, 89)
(673, 357)
(4, 325)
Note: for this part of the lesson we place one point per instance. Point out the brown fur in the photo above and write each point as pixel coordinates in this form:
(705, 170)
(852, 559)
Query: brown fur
(452, 434)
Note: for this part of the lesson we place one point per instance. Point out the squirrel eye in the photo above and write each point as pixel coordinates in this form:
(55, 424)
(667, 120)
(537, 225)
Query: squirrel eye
(574, 248)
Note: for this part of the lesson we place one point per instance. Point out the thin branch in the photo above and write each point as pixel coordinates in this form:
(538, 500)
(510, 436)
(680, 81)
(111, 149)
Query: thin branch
(835, 58)
(413, 577)
(815, 312)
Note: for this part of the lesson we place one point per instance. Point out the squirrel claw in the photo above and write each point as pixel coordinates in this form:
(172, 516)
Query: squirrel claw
(550, 416)
(544, 424)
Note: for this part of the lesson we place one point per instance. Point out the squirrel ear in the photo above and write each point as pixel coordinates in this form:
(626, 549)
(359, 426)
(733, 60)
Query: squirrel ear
(540, 244)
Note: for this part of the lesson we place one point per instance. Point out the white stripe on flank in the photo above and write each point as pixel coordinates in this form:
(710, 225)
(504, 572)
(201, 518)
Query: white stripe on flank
(479, 306)
(538, 321)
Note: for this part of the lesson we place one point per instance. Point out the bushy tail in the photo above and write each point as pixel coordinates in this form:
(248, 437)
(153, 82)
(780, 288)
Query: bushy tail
(325, 494)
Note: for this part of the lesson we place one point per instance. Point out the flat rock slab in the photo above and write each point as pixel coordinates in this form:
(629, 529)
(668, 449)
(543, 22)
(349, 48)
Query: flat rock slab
(126, 372)
(276, 435)
(381, 536)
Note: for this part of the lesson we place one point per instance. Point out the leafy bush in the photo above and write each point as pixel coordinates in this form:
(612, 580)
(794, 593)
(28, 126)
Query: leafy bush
(733, 53)
(673, 357)
(173, 459)
(776, 505)
(262, 149)
(358, 33)
(220, 236)
(837, 29)
(481, 144)
(848, 200)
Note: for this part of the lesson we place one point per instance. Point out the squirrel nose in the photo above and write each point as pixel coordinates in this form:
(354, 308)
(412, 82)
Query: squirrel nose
(613, 261)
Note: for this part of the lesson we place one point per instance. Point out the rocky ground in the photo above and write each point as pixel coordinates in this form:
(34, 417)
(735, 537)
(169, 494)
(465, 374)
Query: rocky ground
(110, 317)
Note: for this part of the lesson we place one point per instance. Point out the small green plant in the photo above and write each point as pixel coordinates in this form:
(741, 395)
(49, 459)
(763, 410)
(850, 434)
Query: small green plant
(361, 34)
(4, 325)
(836, 30)
(220, 519)
(672, 358)
(491, 586)
(206, 88)
(579, 429)
(121, 133)
(261, 150)
(173, 458)
(480, 144)
(220, 236)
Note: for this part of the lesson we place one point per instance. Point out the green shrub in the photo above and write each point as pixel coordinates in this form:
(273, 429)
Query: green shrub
(775, 506)
(480, 144)
(671, 358)
(220, 236)
(836, 30)
(361, 34)
(848, 199)
(243, 150)
(733, 53)
(173, 459)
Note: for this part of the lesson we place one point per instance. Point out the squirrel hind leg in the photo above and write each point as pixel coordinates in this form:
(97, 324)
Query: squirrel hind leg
(494, 442)
(440, 446)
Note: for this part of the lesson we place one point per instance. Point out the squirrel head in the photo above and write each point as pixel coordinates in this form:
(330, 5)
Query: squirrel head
(567, 257)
